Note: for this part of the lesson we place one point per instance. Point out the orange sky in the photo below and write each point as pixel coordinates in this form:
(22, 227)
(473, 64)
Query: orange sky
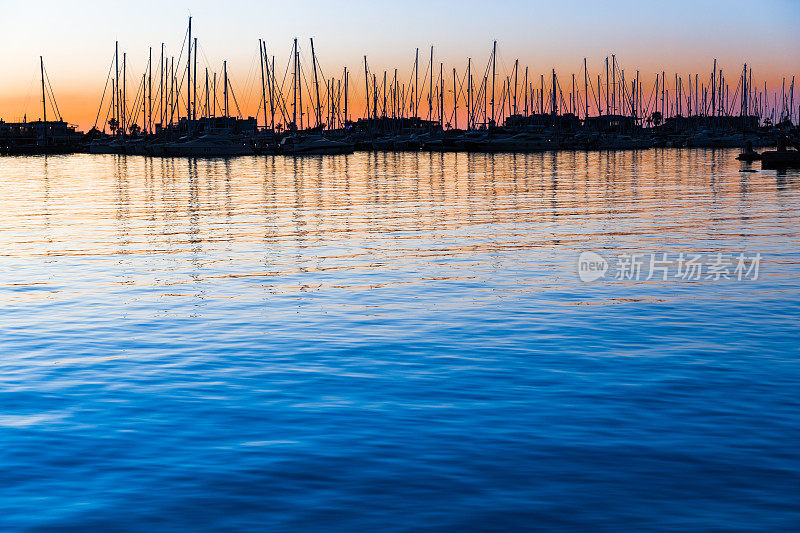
(77, 42)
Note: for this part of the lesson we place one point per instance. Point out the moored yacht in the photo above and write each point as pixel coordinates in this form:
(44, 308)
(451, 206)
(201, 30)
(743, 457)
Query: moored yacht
(313, 145)
(210, 145)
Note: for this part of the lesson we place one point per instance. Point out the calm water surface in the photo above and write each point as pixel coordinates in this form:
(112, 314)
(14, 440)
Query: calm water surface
(395, 342)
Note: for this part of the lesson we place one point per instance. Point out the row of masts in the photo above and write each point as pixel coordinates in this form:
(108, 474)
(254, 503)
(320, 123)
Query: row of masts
(478, 99)
(163, 108)
(490, 100)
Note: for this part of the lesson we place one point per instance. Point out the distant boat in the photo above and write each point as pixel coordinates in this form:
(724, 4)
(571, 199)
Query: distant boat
(35, 149)
(780, 158)
(522, 142)
(313, 145)
(710, 139)
(410, 142)
(106, 146)
(211, 145)
(748, 154)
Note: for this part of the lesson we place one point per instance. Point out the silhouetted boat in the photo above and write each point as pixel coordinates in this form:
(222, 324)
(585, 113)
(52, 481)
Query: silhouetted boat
(313, 145)
(778, 159)
(106, 146)
(211, 145)
(748, 154)
(782, 158)
(521, 142)
(36, 149)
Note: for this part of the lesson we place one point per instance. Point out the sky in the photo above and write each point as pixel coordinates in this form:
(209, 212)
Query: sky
(77, 39)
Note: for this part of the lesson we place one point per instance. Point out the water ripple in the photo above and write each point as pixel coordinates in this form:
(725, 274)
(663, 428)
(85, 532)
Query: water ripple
(395, 342)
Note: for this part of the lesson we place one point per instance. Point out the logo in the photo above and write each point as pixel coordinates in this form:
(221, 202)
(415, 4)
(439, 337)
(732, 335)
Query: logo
(591, 266)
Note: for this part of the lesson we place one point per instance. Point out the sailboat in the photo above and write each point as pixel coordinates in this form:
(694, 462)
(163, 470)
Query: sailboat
(43, 136)
(209, 145)
(313, 144)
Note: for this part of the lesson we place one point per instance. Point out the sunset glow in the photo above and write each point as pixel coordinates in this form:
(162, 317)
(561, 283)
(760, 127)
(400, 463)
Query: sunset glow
(684, 38)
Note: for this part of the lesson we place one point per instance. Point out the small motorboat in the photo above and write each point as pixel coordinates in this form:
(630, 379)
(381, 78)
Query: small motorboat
(749, 154)
(782, 157)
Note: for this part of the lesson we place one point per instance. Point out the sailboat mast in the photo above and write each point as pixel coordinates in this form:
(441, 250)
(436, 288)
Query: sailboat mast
(225, 89)
(613, 84)
(117, 115)
(415, 96)
(374, 96)
(494, 74)
(113, 101)
(144, 102)
(161, 85)
(271, 81)
(455, 100)
(270, 74)
(713, 89)
(469, 93)
(430, 88)
(299, 86)
(525, 91)
(697, 94)
(263, 81)
(441, 94)
(572, 96)
(189, 77)
(171, 88)
(586, 87)
(194, 82)
(541, 94)
(44, 102)
(516, 84)
(345, 94)
(294, 85)
(124, 92)
(607, 86)
(316, 84)
(366, 84)
(150, 91)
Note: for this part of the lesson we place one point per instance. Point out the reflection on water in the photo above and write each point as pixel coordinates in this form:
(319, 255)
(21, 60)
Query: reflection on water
(395, 341)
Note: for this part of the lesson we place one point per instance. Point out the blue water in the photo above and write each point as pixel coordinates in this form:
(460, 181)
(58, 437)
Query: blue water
(395, 342)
